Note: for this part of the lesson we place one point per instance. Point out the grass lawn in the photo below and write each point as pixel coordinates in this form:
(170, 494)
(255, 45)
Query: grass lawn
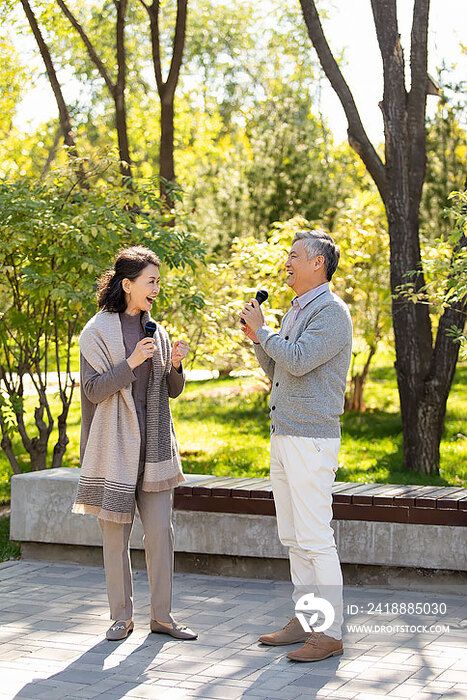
(7, 547)
(228, 434)
(223, 429)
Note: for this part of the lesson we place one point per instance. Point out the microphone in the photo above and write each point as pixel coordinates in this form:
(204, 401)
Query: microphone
(149, 328)
(261, 295)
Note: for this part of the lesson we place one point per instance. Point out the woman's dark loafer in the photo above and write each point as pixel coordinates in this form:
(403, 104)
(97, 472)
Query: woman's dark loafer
(119, 630)
(175, 630)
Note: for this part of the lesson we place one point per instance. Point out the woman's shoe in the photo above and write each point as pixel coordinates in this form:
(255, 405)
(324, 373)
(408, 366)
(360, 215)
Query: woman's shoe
(119, 630)
(174, 629)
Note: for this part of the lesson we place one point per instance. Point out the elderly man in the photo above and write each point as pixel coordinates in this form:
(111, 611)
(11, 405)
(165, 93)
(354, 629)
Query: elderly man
(307, 362)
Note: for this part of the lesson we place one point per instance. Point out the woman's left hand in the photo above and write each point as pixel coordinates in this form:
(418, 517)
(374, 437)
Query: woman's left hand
(179, 351)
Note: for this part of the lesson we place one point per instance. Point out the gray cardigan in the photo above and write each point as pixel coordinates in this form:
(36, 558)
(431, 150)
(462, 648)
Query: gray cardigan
(308, 365)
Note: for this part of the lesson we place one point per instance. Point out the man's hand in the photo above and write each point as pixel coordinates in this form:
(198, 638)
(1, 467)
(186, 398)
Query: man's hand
(249, 333)
(179, 351)
(253, 316)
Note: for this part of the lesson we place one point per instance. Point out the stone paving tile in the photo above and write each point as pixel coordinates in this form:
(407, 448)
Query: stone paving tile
(53, 645)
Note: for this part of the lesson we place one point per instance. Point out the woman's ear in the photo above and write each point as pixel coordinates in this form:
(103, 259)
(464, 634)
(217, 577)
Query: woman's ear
(126, 285)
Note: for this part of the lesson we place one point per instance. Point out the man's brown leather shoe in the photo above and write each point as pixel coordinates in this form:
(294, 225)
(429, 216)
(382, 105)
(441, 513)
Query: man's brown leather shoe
(317, 647)
(292, 633)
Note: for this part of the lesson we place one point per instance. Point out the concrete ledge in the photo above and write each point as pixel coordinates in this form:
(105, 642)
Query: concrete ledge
(452, 582)
(41, 514)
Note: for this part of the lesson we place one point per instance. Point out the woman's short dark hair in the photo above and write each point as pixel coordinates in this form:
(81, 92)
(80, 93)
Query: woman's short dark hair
(129, 264)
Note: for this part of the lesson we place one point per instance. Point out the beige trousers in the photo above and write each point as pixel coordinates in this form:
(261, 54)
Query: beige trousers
(155, 510)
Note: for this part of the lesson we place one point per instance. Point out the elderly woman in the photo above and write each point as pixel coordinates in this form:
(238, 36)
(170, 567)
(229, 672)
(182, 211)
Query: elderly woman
(129, 452)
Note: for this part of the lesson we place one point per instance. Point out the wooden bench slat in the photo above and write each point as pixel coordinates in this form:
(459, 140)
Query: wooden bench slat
(340, 486)
(443, 505)
(347, 495)
(387, 497)
(366, 498)
(408, 498)
(244, 489)
(443, 497)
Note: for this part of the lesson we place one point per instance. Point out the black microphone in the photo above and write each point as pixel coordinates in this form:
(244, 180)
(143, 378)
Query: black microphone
(149, 329)
(261, 295)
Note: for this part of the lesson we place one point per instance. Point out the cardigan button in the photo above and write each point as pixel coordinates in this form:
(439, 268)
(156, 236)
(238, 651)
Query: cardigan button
(286, 337)
(277, 383)
(273, 408)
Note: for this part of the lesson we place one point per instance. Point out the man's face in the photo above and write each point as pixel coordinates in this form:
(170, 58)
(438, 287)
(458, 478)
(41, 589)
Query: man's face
(304, 273)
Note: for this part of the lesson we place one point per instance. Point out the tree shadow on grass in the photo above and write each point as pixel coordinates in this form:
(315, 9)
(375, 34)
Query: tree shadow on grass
(372, 425)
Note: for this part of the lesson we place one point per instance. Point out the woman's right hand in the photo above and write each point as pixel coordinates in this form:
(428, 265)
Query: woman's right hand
(144, 350)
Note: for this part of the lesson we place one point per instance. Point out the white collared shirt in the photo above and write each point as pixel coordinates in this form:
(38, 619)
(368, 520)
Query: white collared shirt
(299, 303)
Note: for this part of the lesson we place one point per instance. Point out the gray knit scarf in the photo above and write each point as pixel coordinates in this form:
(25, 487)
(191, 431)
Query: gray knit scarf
(110, 463)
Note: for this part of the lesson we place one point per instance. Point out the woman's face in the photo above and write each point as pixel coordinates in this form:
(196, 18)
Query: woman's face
(141, 292)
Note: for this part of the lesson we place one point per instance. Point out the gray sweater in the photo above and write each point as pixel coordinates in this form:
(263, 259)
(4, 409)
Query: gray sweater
(308, 365)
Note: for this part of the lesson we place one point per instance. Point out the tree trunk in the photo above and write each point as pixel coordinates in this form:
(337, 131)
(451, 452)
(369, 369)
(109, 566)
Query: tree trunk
(64, 114)
(354, 400)
(117, 89)
(51, 154)
(63, 439)
(38, 445)
(166, 153)
(119, 92)
(422, 427)
(122, 134)
(7, 447)
(166, 89)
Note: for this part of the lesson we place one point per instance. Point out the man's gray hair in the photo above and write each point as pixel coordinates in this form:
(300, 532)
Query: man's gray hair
(318, 242)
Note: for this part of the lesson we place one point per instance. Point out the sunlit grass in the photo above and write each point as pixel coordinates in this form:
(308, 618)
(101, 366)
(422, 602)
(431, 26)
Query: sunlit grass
(223, 429)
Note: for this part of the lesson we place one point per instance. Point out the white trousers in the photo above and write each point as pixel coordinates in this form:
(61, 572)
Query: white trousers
(302, 474)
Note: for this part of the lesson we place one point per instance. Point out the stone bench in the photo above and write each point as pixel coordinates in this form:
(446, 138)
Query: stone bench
(228, 526)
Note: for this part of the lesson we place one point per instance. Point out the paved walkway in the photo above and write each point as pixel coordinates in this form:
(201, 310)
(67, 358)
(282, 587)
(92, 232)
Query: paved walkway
(53, 619)
(53, 386)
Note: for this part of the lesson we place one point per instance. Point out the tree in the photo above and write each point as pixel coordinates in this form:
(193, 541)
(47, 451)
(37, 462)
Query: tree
(446, 157)
(445, 265)
(166, 88)
(424, 371)
(362, 280)
(63, 111)
(54, 241)
(116, 88)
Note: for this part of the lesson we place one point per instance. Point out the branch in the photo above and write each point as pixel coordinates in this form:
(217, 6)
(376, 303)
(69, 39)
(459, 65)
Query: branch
(65, 121)
(395, 95)
(178, 46)
(7, 446)
(90, 48)
(120, 41)
(418, 67)
(416, 104)
(446, 350)
(153, 12)
(358, 138)
(51, 155)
